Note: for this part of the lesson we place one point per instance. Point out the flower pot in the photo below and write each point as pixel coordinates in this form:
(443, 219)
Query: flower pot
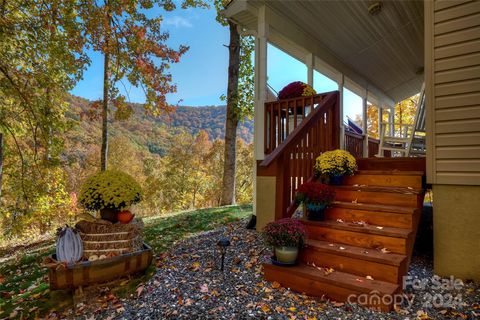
(125, 216)
(336, 180)
(316, 212)
(109, 214)
(287, 255)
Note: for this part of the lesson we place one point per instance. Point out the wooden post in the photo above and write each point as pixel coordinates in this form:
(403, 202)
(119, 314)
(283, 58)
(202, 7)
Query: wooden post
(341, 81)
(365, 124)
(260, 78)
(309, 62)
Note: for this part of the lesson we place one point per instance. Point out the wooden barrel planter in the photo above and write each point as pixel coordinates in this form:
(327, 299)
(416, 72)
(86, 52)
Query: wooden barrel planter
(71, 276)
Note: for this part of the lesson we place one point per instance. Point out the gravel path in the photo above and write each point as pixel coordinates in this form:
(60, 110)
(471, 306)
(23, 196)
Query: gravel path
(189, 285)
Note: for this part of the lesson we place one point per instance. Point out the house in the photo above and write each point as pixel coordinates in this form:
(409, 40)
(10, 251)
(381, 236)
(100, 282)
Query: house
(383, 51)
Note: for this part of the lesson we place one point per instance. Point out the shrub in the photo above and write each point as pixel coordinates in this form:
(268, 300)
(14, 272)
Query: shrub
(335, 163)
(315, 193)
(296, 89)
(285, 233)
(110, 189)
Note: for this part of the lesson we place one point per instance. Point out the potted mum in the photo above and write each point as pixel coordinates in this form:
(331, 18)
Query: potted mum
(316, 197)
(335, 164)
(296, 89)
(111, 192)
(286, 236)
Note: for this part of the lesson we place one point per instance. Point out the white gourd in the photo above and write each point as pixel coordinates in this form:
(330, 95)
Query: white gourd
(69, 246)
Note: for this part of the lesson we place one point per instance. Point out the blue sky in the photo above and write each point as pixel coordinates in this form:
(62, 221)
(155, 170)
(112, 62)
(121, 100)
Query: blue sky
(201, 75)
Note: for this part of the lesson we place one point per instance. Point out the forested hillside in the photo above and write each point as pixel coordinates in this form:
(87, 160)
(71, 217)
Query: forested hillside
(177, 158)
(144, 129)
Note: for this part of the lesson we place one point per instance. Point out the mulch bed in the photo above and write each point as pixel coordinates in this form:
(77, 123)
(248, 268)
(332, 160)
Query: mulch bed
(189, 285)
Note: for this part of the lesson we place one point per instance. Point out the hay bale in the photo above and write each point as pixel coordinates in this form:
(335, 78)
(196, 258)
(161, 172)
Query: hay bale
(100, 238)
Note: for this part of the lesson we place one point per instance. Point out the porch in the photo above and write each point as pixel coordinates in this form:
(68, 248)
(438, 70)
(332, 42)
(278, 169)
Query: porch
(376, 50)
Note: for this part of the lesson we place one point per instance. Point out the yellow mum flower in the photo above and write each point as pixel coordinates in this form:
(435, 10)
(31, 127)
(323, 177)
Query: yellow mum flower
(335, 163)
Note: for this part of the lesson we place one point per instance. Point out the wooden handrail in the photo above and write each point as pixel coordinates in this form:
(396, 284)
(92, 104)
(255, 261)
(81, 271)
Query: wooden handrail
(302, 129)
(292, 161)
(283, 116)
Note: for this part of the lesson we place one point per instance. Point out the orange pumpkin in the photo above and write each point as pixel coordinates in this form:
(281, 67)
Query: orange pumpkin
(125, 216)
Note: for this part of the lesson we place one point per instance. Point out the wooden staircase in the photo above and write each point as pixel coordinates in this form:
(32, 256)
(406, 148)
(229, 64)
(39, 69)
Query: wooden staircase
(367, 237)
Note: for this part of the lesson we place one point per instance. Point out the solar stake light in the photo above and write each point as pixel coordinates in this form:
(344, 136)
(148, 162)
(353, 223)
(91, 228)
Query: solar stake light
(222, 244)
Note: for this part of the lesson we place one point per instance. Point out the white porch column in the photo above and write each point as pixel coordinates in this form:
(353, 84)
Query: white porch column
(260, 96)
(391, 120)
(341, 81)
(309, 62)
(380, 117)
(365, 124)
(260, 84)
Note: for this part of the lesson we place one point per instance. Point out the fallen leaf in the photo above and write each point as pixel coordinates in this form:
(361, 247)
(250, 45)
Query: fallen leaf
(195, 266)
(327, 271)
(422, 315)
(204, 288)
(276, 285)
(293, 309)
(400, 310)
(265, 308)
(139, 290)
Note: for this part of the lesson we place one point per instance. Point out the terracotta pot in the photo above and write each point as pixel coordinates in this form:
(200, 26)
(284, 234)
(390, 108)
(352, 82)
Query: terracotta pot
(125, 216)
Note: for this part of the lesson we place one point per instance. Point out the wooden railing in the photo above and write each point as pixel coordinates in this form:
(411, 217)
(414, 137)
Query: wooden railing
(373, 146)
(291, 157)
(354, 144)
(283, 116)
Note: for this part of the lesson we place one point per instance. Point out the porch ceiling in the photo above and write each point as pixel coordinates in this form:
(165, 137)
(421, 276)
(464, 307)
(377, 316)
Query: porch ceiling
(386, 49)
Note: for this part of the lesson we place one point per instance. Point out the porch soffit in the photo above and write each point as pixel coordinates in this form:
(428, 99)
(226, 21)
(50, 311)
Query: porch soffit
(385, 49)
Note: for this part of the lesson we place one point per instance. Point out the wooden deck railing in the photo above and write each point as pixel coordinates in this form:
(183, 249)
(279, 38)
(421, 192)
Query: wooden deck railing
(373, 146)
(291, 156)
(354, 144)
(283, 116)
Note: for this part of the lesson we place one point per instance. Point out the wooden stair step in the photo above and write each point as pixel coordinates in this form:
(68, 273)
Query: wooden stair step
(373, 214)
(357, 252)
(337, 285)
(394, 178)
(369, 229)
(375, 207)
(397, 163)
(396, 240)
(364, 262)
(409, 197)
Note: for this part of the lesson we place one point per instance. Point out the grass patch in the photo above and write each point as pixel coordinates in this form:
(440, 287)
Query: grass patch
(24, 289)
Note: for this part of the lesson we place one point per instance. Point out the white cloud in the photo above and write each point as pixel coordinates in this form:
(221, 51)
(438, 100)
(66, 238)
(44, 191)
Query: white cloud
(177, 22)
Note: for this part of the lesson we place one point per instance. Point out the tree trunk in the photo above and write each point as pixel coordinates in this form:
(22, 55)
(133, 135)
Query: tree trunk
(1, 162)
(228, 190)
(104, 151)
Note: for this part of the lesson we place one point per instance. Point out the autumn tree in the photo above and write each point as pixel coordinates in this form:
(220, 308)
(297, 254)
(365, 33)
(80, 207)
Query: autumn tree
(239, 95)
(135, 49)
(41, 58)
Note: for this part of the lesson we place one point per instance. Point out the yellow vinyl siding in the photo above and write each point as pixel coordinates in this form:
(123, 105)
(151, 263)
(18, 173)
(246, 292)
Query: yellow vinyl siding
(453, 84)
